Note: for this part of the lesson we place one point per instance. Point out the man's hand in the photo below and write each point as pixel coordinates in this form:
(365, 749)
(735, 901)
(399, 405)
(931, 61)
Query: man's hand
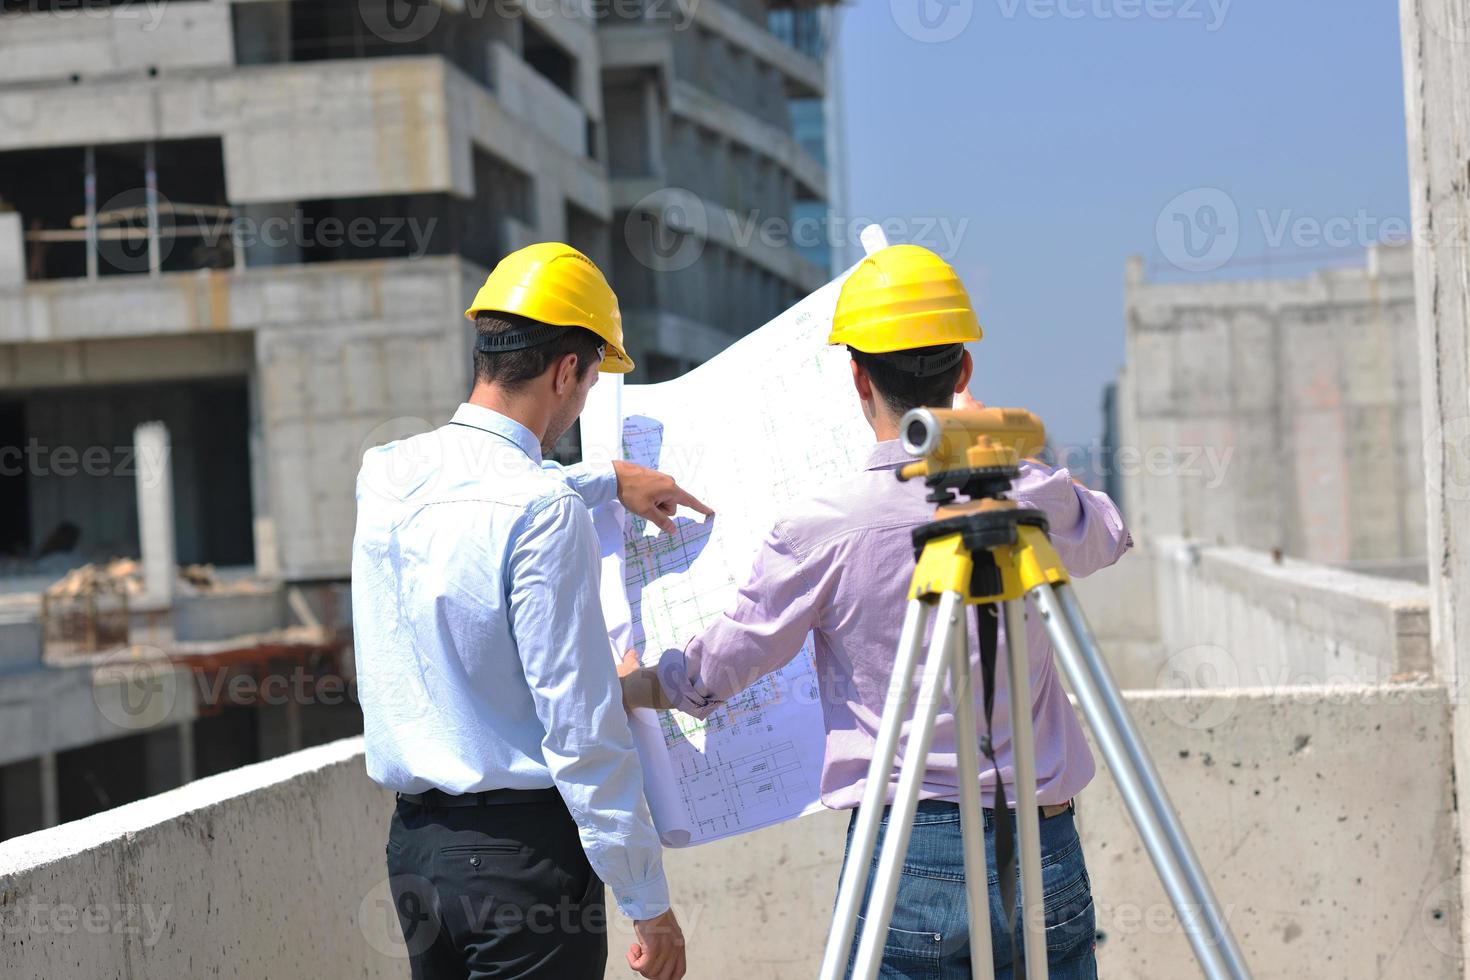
(641, 688)
(652, 495)
(659, 952)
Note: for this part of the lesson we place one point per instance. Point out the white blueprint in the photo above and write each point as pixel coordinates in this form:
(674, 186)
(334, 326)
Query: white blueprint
(769, 420)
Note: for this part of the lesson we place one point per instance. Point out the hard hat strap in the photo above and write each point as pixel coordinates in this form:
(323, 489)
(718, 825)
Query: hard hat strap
(516, 338)
(927, 365)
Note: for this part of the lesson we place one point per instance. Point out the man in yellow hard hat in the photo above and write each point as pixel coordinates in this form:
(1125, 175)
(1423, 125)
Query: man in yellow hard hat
(489, 694)
(838, 567)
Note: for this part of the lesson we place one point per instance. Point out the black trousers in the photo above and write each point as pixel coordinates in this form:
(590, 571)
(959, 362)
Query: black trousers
(499, 891)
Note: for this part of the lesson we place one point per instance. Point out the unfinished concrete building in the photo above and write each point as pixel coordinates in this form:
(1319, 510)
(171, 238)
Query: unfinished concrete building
(258, 222)
(716, 154)
(1279, 414)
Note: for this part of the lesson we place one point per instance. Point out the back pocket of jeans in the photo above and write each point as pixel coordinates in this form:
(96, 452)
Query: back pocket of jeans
(916, 953)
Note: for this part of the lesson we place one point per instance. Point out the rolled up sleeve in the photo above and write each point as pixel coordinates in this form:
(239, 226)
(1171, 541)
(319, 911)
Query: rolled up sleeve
(1084, 525)
(558, 626)
(762, 632)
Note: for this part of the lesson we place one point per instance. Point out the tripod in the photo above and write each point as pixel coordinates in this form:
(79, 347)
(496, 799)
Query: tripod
(981, 551)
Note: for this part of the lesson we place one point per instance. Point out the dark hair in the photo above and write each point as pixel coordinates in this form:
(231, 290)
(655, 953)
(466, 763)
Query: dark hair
(512, 369)
(900, 388)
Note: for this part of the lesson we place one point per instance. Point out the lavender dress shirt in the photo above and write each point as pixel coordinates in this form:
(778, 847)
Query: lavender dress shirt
(839, 567)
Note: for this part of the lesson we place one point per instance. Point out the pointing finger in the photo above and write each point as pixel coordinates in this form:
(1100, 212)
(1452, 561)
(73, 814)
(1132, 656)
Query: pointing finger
(689, 500)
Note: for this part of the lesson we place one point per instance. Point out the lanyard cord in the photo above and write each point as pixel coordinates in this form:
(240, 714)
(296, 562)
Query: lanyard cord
(987, 622)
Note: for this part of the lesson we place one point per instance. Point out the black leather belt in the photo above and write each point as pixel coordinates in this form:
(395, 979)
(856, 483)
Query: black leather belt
(489, 797)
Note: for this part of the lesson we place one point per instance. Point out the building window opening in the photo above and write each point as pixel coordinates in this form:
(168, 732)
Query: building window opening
(73, 470)
(548, 58)
(120, 209)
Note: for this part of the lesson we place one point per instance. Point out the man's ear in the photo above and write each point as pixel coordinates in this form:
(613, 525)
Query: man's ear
(967, 369)
(862, 382)
(564, 375)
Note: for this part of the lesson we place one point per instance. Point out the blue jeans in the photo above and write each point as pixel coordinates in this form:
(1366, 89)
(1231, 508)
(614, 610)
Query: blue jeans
(930, 934)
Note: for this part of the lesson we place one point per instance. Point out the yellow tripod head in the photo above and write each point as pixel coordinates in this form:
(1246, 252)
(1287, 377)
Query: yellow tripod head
(955, 439)
(985, 548)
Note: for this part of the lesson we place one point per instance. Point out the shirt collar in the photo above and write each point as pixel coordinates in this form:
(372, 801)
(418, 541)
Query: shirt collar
(887, 454)
(496, 424)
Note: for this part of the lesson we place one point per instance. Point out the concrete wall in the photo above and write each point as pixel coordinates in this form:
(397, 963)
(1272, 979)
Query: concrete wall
(1263, 623)
(1181, 615)
(1436, 45)
(1276, 413)
(1325, 820)
(100, 41)
(1332, 857)
(527, 94)
(266, 870)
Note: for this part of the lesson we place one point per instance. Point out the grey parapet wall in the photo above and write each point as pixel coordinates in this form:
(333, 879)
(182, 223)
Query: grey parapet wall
(1324, 818)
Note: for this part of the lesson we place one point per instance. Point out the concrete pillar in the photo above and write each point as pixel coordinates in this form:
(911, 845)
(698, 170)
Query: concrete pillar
(1436, 42)
(20, 798)
(168, 759)
(186, 752)
(156, 510)
(267, 551)
(293, 726)
(50, 796)
(653, 116)
(12, 249)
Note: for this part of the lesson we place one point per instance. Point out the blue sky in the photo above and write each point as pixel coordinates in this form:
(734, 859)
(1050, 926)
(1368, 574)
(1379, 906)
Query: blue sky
(1053, 134)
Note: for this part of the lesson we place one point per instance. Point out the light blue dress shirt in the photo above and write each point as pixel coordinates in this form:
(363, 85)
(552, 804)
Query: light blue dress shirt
(482, 656)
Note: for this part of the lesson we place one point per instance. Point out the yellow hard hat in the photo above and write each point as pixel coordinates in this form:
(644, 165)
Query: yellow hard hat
(902, 297)
(556, 284)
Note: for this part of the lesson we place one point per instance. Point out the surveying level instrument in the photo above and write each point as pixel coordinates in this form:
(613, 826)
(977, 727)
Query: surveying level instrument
(983, 551)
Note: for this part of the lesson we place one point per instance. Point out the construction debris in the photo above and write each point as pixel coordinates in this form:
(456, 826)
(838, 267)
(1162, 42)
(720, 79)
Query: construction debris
(120, 577)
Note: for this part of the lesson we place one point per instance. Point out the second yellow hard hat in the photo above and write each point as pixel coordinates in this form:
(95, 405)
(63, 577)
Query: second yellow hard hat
(554, 283)
(900, 298)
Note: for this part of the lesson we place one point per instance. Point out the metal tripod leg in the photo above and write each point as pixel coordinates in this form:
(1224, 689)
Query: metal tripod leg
(875, 791)
(1028, 822)
(972, 813)
(1138, 782)
(910, 781)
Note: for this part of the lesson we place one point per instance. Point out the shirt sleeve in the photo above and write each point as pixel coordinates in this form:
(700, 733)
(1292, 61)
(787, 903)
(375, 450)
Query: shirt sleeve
(557, 621)
(596, 484)
(1084, 525)
(764, 630)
